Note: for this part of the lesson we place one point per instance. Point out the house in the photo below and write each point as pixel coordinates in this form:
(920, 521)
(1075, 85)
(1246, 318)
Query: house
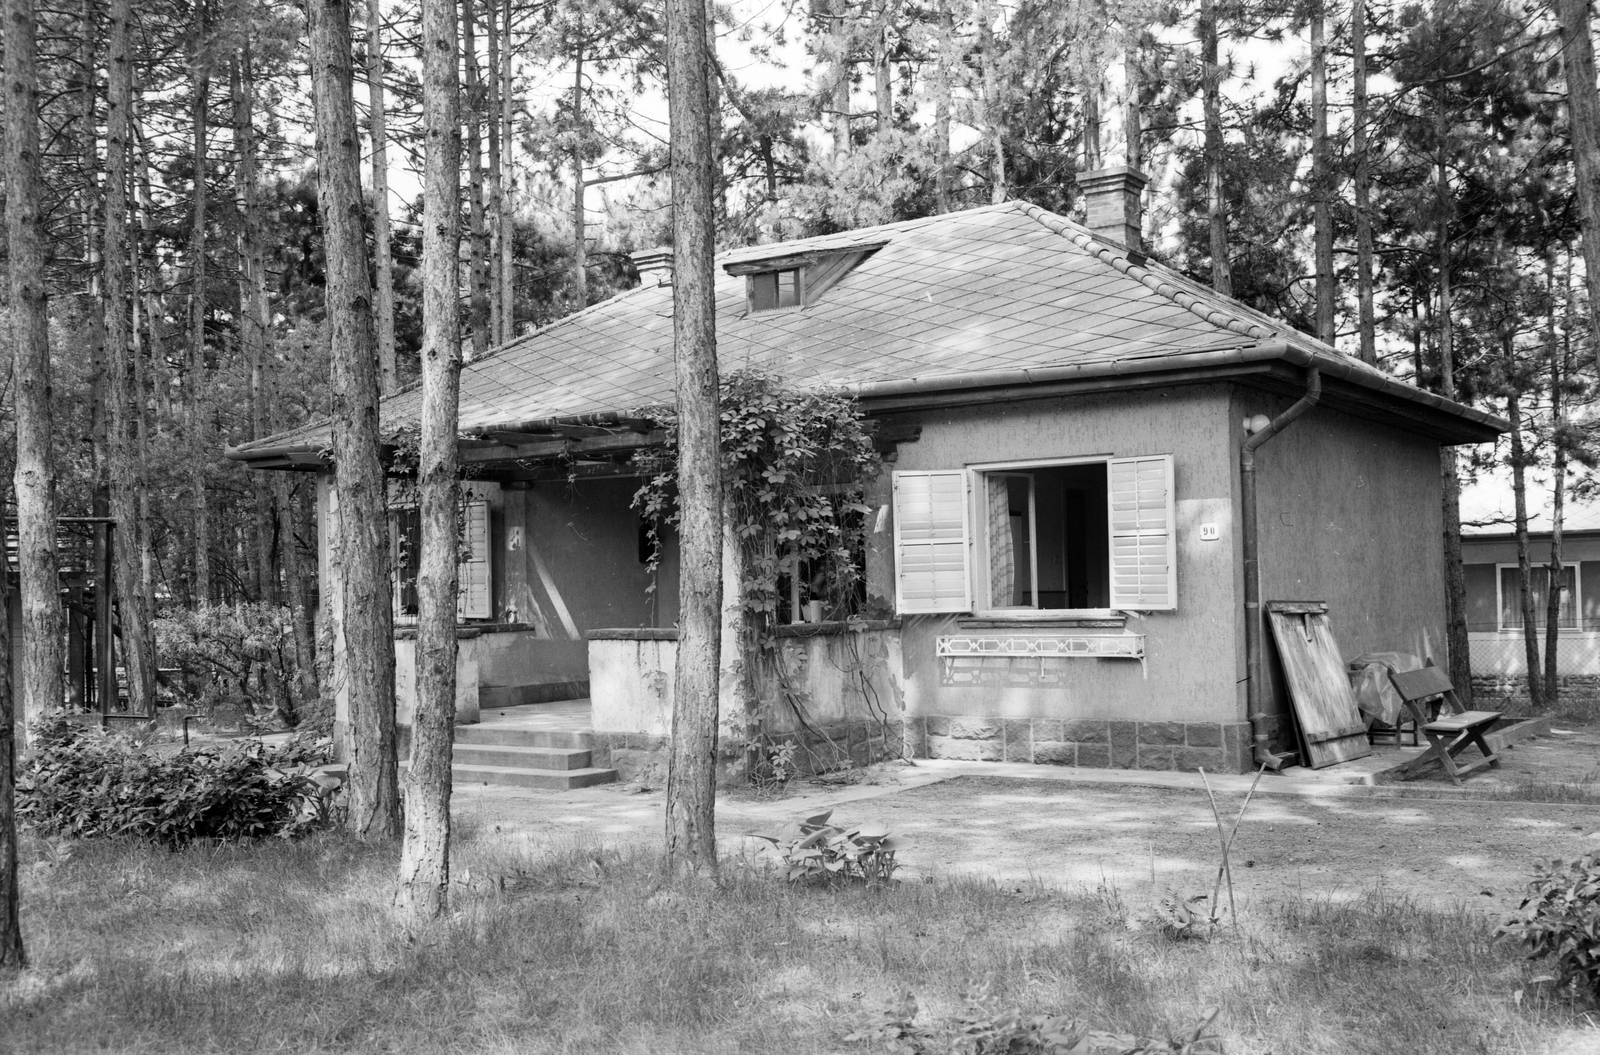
(1494, 588)
(1057, 558)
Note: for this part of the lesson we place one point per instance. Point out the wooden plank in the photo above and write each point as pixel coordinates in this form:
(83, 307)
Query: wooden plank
(1420, 684)
(1319, 687)
(1359, 729)
(1298, 607)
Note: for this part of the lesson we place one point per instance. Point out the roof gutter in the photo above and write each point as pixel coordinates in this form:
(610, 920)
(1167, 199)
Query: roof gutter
(1255, 689)
(1246, 353)
(1233, 356)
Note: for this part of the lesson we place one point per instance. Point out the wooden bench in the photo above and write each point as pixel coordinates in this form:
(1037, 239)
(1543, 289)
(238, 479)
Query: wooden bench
(1449, 733)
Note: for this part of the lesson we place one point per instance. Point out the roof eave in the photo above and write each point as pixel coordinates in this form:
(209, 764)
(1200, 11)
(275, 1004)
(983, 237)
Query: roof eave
(1449, 421)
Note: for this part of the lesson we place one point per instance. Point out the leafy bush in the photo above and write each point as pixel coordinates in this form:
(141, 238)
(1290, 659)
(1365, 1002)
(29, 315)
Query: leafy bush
(239, 656)
(82, 782)
(1560, 917)
(826, 853)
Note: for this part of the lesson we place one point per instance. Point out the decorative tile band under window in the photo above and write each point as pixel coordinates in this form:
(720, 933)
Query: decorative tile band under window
(1092, 646)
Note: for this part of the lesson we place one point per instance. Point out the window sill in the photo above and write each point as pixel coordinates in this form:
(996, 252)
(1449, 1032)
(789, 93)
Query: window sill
(1085, 620)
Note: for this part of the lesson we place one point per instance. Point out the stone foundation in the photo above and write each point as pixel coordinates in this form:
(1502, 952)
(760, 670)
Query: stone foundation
(1579, 693)
(1221, 747)
(642, 757)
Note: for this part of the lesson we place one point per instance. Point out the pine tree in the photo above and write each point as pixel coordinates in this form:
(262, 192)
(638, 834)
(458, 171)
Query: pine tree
(425, 853)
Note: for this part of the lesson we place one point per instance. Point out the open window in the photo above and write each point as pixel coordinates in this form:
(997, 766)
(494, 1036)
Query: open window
(473, 592)
(1539, 579)
(1084, 536)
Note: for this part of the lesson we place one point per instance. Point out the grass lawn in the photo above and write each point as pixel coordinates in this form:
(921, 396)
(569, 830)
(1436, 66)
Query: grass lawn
(290, 947)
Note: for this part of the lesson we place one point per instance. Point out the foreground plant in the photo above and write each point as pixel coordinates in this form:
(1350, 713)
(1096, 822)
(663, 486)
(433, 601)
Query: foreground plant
(1560, 918)
(82, 782)
(985, 1027)
(827, 853)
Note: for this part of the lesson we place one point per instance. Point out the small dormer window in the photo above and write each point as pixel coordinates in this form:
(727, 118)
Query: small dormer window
(771, 290)
(793, 278)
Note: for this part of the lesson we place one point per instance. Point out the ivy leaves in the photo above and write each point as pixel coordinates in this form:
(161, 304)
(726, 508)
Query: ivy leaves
(794, 464)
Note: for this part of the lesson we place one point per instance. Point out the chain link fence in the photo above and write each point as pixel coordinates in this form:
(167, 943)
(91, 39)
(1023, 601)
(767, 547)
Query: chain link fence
(1507, 654)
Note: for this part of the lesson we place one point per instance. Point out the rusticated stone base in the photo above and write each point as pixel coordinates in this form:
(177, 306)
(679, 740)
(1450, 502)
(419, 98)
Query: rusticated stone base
(1577, 694)
(1220, 747)
(642, 757)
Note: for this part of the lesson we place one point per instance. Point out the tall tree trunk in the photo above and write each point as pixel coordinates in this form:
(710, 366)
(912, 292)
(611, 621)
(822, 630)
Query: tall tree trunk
(993, 118)
(1519, 525)
(943, 87)
(35, 473)
(691, 775)
(882, 74)
(1211, 105)
(508, 266)
(580, 245)
(89, 156)
(839, 77)
(366, 621)
(141, 386)
(425, 855)
(492, 208)
(1365, 324)
(1583, 106)
(94, 307)
(13, 954)
(1455, 582)
(382, 256)
(1321, 176)
(478, 302)
(126, 476)
(253, 309)
(1092, 154)
(195, 423)
(1558, 473)
(1133, 105)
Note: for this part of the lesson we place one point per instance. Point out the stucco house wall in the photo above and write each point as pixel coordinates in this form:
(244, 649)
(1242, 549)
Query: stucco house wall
(1091, 711)
(1350, 513)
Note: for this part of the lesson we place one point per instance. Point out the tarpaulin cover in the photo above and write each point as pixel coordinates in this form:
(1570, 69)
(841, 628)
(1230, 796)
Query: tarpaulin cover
(1369, 680)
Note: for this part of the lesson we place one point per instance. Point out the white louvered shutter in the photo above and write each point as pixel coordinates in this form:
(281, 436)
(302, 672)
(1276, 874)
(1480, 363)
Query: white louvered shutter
(472, 597)
(1144, 566)
(930, 542)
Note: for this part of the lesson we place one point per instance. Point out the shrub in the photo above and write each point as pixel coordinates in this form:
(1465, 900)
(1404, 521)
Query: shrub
(239, 656)
(1560, 918)
(82, 782)
(826, 853)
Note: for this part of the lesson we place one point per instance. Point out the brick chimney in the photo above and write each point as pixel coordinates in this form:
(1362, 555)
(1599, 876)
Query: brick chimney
(1111, 196)
(654, 265)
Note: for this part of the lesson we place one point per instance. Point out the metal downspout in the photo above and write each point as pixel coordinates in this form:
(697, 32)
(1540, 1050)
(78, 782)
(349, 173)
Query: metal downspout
(1254, 687)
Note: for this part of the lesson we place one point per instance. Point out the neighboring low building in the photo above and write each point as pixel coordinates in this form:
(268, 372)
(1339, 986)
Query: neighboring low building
(1494, 584)
(1056, 559)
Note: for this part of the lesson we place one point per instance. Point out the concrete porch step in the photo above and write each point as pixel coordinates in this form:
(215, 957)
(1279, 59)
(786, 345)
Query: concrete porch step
(563, 759)
(543, 779)
(488, 735)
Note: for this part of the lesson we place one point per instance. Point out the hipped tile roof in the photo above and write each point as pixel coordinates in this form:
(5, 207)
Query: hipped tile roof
(994, 290)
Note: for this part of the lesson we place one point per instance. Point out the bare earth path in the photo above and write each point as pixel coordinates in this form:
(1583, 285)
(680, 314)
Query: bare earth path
(1063, 827)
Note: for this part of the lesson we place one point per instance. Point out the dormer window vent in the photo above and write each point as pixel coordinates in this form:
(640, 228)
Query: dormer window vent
(771, 290)
(795, 280)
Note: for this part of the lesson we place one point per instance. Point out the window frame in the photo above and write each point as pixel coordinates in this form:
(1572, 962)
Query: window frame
(1500, 604)
(978, 566)
(470, 496)
(799, 291)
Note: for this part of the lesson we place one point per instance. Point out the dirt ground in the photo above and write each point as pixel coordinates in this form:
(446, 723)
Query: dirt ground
(1040, 824)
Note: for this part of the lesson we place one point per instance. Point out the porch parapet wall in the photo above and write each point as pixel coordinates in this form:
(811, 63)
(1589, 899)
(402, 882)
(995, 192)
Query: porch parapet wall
(833, 689)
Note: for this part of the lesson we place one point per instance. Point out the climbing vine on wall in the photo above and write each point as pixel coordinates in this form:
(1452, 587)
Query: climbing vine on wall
(794, 465)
